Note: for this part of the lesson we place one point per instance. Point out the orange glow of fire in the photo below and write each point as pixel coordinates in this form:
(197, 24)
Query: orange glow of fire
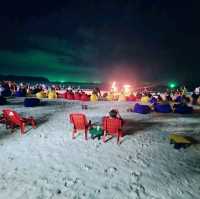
(127, 88)
(114, 87)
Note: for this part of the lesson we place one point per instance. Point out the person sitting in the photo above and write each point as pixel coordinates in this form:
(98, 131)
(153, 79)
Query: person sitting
(115, 114)
(97, 92)
(94, 97)
(184, 101)
(194, 98)
(160, 99)
(183, 106)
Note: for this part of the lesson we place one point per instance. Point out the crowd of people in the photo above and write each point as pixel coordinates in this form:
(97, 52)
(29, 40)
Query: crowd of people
(10, 88)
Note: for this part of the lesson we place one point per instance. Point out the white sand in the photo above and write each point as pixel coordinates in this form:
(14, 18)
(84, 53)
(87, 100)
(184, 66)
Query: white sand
(46, 163)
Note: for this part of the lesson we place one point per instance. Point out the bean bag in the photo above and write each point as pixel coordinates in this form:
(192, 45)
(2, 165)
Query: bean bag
(77, 96)
(52, 95)
(153, 100)
(178, 99)
(163, 108)
(70, 96)
(85, 97)
(180, 141)
(6, 93)
(182, 109)
(31, 102)
(140, 108)
(145, 99)
(131, 98)
(3, 100)
(20, 94)
(41, 94)
(93, 98)
(138, 98)
(65, 95)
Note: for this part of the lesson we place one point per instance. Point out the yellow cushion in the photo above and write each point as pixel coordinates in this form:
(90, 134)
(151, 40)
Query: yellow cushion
(180, 139)
(145, 99)
(52, 95)
(93, 98)
(41, 95)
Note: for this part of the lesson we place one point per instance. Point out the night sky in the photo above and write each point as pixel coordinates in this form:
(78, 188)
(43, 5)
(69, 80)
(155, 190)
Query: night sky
(98, 40)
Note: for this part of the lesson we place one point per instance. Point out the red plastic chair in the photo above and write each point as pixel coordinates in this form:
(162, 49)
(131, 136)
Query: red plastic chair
(65, 95)
(77, 96)
(112, 126)
(79, 122)
(70, 96)
(12, 119)
(85, 97)
(131, 98)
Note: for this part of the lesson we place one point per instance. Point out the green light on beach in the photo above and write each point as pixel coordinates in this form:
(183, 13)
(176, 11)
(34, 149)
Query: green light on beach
(172, 85)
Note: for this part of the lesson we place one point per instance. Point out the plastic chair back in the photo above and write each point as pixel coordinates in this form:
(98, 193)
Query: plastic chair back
(79, 121)
(12, 116)
(112, 125)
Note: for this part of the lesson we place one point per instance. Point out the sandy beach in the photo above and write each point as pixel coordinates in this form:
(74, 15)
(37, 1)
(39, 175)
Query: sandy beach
(45, 163)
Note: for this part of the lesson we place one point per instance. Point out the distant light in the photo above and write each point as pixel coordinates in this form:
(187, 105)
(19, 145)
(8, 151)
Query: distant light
(172, 85)
(114, 87)
(127, 88)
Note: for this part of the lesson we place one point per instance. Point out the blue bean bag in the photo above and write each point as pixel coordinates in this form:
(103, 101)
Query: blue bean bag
(182, 109)
(20, 94)
(31, 102)
(153, 100)
(179, 99)
(6, 93)
(3, 100)
(143, 109)
(163, 108)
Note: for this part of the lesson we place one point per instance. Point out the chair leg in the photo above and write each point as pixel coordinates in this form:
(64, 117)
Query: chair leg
(121, 134)
(118, 138)
(86, 134)
(33, 123)
(22, 127)
(104, 136)
(73, 133)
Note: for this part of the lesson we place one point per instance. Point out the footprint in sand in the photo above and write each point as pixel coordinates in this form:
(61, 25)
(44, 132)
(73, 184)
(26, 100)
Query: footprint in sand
(97, 191)
(136, 187)
(11, 158)
(130, 158)
(69, 182)
(136, 175)
(111, 171)
(87, 167)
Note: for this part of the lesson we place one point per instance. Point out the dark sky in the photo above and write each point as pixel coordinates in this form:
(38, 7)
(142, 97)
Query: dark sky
(92, 41)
